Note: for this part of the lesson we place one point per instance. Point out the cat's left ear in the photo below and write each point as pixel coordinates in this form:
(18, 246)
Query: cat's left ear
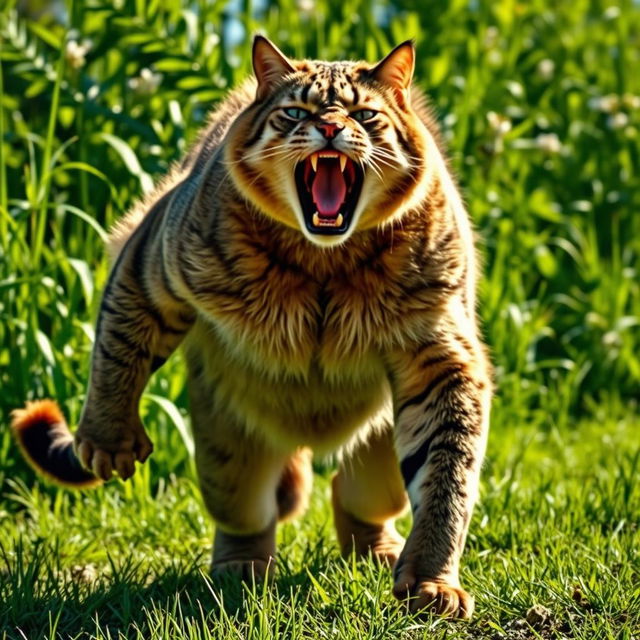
(269, 65)
(396, 69)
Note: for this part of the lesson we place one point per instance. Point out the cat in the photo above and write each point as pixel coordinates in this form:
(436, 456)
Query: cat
(312, 254)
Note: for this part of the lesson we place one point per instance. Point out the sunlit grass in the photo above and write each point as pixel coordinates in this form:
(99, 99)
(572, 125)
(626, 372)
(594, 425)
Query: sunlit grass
(556, 527)
(540, 107)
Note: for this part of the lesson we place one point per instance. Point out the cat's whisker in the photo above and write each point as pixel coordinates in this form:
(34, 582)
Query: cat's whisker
(395, 164)
(374, 167)
(271, 153)
(388, 153)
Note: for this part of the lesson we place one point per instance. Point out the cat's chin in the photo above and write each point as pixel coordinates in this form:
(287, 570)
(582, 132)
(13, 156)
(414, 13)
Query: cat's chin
(329, 184)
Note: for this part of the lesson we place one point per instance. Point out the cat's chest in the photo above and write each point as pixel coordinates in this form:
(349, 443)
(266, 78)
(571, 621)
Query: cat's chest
(289, 321)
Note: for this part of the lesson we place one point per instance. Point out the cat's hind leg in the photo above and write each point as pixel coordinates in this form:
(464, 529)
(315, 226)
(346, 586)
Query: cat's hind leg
(368, 495)
(239, 476)
(247, 487)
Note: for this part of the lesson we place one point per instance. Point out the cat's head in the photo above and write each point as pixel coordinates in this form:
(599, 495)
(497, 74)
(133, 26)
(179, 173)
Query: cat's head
(330, 148)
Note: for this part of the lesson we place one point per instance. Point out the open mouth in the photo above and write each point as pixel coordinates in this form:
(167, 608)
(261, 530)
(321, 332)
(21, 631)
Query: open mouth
(329, 185)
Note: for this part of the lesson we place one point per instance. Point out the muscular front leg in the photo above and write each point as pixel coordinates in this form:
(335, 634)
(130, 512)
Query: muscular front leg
(441, 397)
(140, 324)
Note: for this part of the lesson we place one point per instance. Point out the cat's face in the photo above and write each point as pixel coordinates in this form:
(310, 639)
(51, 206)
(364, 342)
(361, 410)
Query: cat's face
(330, 148)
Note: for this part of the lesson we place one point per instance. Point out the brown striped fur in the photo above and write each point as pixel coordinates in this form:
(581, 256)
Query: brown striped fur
(363, 342)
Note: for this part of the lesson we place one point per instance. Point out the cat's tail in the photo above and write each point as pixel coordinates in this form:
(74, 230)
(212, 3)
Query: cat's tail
(44, 438)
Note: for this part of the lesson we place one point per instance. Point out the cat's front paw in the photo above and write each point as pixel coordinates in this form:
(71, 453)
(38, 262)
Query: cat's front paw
(416, 585)
(107, 447)
(435, 597)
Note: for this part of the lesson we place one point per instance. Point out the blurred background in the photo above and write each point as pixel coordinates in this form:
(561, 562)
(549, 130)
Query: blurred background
(539, 103)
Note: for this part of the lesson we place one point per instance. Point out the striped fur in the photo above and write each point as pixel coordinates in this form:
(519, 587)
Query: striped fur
(363, 341)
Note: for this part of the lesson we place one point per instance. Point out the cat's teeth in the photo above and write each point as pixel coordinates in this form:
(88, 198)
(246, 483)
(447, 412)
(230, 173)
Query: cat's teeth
(314, 161)
(343, 163)
(336, 223)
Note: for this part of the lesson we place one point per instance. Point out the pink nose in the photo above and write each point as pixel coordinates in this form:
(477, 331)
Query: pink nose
(329, 129)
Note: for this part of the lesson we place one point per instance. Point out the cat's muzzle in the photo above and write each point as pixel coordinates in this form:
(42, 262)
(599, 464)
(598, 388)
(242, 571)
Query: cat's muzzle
(329, 185)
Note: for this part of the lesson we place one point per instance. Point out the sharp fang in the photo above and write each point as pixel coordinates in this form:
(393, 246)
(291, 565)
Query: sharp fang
(343, 162)
(316, 219)
(314, 162)
(339, 219)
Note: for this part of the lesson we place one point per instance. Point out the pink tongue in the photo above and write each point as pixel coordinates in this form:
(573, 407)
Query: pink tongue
(328, 189)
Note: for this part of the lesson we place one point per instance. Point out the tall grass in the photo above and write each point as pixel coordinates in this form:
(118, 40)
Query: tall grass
(539, 105)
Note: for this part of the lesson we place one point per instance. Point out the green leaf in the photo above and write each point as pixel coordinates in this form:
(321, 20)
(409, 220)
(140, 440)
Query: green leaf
(86, 277)
(438, 69)
(546, 261)
(173, 64)
(130, 160)
(85, 217)
(194, 82)
(48, 35)
(36, 88)
(318, 587)
(45, 347)
(176, 417)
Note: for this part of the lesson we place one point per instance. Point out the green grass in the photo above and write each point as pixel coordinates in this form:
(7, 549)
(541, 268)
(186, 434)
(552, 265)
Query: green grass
(557, 527)
(540, 106)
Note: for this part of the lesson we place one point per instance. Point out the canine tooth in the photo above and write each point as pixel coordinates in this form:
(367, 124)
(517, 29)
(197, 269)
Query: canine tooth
(314, 161)
(343, 162)
(339, 220)
(316, 219)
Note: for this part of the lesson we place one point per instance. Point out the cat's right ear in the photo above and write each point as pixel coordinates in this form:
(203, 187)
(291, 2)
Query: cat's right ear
(270, 65)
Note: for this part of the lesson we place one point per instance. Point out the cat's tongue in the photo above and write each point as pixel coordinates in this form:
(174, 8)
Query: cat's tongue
(329, 189)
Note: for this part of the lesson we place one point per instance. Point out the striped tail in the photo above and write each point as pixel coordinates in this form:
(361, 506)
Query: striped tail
(46, 442)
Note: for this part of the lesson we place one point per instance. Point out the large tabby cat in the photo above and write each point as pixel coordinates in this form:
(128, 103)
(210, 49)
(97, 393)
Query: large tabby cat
(314, 257)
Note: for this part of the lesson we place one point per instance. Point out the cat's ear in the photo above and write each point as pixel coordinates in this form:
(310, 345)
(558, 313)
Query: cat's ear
(269, 65)
(396, 69)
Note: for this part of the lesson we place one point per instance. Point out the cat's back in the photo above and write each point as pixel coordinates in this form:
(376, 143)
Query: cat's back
(191, 166)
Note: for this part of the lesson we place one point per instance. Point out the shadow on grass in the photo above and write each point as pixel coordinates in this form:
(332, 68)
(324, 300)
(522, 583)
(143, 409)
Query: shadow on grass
(39, 599)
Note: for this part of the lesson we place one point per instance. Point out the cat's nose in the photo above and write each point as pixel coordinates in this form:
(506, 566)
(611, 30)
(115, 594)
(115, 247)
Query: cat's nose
(329, 129)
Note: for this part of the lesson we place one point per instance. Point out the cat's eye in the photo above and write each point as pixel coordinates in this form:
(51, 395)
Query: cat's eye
(363, 115)
(296, 113)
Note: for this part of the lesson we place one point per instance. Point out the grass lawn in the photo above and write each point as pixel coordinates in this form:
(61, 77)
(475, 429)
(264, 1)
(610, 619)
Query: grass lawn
(553, 552)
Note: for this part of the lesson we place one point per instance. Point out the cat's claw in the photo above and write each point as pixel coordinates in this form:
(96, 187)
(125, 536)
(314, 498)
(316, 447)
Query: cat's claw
(433, 596)
(112, 450)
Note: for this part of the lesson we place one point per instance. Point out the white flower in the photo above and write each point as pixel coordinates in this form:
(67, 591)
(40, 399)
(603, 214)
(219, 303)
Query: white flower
(606, 104)
(618, 120)
(546, 68)
(491, 36)
(75, 53)
(211, 41)
(630, 101)
(498, 123)
(516, 89)
(611, 13)
(549, 143)
(450, 120)
(146, 83)
(306, 6)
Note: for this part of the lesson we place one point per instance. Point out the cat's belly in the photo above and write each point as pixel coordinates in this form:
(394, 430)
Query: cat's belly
(322, 407)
